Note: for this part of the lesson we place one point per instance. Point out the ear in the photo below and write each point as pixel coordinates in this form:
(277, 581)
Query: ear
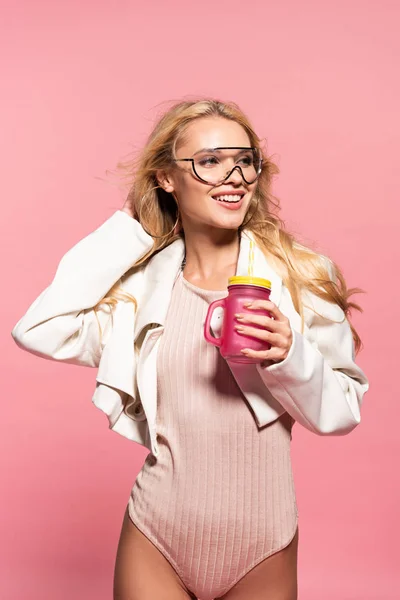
(165, 180)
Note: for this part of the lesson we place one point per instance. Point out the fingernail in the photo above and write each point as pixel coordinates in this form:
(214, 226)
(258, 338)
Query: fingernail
(248, 304)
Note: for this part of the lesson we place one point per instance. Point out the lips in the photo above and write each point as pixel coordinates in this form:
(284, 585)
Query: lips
(229, 197)
(229, 201)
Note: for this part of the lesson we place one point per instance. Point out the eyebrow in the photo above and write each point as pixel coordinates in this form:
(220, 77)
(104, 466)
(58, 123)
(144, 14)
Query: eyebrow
(224, 147)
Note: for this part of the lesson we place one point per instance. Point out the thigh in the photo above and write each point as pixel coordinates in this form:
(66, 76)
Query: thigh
(274, 578)
(142, 572)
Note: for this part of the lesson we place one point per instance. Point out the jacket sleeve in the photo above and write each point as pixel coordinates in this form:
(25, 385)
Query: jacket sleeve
(319, 383)
(61, 323)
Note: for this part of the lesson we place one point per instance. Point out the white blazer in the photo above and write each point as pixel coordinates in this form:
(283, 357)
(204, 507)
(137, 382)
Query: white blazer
(318, 383)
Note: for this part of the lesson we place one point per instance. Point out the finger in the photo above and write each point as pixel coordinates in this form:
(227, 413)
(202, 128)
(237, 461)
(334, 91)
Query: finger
(262, 320)
(274, 354)
(267, 305)
(260, 334)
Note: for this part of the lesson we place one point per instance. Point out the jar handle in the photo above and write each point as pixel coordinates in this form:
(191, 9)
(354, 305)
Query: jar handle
(215, 304)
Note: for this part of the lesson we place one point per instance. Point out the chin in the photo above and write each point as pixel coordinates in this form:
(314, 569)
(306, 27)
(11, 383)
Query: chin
(221, 219)
(233, 222)
(230, 218)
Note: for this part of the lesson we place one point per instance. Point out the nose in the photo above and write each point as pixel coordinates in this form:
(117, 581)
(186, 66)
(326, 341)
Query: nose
(236, 175)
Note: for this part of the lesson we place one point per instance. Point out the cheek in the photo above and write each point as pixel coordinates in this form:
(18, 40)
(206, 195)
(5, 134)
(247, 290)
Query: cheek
(250, 196)
(194, 198)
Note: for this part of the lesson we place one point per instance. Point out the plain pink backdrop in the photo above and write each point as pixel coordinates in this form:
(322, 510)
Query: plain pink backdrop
(82, 85)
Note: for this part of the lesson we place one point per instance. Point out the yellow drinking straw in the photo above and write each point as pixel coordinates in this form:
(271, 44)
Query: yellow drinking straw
(251, 259)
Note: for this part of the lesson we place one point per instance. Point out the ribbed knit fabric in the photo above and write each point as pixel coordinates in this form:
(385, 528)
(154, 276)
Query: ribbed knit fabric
(220, 497)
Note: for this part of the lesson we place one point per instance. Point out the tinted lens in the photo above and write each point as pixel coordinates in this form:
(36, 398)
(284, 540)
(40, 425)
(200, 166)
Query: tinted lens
(214, 166)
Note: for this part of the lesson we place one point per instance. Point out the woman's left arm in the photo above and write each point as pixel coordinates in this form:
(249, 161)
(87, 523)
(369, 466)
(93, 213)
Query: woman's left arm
(314, 376)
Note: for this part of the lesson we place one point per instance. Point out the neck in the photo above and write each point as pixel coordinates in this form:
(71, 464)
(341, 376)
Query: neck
(209, 252)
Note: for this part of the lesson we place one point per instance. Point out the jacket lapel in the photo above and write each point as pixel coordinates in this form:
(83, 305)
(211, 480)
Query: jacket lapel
(159, 278)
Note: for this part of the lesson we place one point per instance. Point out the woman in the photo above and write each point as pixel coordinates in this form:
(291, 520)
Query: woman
(212, 513)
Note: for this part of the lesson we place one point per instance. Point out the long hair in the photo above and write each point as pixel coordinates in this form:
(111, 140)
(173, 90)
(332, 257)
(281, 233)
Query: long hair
(302, 269)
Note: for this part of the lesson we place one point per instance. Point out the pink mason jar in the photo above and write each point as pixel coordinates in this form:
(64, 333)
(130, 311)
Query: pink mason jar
(241, 289)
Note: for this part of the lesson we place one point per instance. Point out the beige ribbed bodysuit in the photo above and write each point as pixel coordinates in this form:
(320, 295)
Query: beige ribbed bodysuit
(219, 498)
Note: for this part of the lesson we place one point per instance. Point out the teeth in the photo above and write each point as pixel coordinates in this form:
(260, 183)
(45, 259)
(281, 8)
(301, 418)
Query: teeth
(228, 198)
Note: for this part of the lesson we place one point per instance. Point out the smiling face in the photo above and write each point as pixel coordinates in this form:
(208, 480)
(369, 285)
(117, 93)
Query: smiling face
(198, 203)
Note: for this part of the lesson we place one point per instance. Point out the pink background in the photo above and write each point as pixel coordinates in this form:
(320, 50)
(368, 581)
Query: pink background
(82, 85)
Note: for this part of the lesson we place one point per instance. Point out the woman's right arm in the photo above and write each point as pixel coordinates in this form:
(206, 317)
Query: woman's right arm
(61, 323)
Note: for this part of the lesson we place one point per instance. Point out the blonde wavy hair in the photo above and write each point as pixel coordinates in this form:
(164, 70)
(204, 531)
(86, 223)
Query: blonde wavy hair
(301, 268)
